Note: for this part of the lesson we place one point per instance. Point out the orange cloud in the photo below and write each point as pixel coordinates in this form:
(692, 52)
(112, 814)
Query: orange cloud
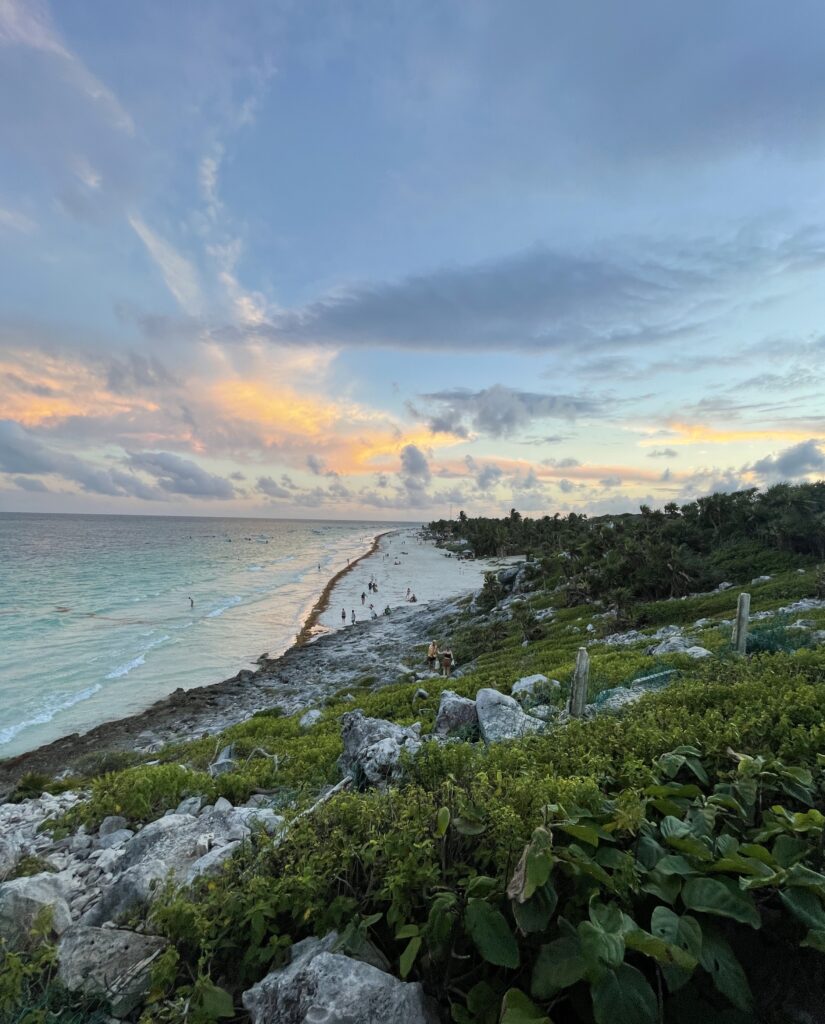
(699, 433)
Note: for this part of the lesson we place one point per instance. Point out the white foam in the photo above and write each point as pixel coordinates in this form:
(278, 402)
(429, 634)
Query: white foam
(60, 702)
(231, 603)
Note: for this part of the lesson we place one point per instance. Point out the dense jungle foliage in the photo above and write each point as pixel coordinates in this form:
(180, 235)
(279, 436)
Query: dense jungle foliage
(626, 559)
(658, 865)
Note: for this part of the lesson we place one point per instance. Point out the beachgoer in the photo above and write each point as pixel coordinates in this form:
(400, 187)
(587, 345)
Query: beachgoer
(412, 599)
(373, 613)
(387, 610)
(191, 603)
(363, 597)
(375, 588)
(447, 661)
(408, 591)
(343, 615)
(353, 616)
(432, 654)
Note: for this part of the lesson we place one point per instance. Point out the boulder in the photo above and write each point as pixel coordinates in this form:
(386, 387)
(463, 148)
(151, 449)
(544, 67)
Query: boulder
(108, 963)
(169, 846)
(190, 805)
(373, 747)
(309, 718)
(318, 986)
(618, 697)
(528, 683)
(500, 717)
(507, 577)
(760, 579)
(224, 763)
(698, 652)
(113, 823)
(676, 644)
(211, 862)
(23, 899)
(455, 713)
(116, 838)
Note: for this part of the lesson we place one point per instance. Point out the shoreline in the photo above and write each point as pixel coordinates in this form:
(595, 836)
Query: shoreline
(301, 677)
(305, 634)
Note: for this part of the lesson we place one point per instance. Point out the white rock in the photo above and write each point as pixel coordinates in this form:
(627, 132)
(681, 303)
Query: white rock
(528, 683)
(23, 899)
(113, 823)
(108, 963)
(222, 805)
(116, 838)
(321, 987)
(191, 805)
(373, 746)
(309, 719)
(501, 718)
(455, 713)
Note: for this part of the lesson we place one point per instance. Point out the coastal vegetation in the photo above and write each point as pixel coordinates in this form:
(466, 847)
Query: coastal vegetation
(659, 863)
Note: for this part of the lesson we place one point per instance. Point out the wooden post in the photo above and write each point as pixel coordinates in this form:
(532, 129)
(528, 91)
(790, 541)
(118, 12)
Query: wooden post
(740, 627)
(578, 690)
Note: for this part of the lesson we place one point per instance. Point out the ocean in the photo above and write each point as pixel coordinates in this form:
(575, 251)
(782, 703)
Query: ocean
(95, 614)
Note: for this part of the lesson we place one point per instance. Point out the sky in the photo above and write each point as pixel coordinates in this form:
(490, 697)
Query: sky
(390, 260)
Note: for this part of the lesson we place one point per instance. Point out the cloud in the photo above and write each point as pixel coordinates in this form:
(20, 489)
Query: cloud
(414, 463)
(13, 220)
(266, 485)
(179, 274)
(27, 483)
(21, 453)
(500, 411)
(315, 464)
(793, 463)
(135, 372)
(662, 453)
(485, 475)
(177, 475)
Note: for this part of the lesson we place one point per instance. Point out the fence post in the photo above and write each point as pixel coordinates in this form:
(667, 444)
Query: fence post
(581, 677)
(740, 627)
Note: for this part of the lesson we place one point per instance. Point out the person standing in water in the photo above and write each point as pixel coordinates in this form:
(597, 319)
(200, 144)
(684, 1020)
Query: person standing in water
(191, 603)
(363, 596)
(343, 615)
(353, 616)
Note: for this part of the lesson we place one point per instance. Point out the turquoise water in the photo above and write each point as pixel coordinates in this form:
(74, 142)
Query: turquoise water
(95, 617)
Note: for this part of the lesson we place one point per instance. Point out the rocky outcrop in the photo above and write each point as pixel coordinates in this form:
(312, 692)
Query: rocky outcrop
(309, 718)
(24, 900)
(318, 986)
(373, 747)
(500, 717)
(527, 684)
(455, 714)
(108, 963)
(224, 763)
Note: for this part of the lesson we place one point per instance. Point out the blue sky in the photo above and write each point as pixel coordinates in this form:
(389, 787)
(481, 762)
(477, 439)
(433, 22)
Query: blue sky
(380, 259)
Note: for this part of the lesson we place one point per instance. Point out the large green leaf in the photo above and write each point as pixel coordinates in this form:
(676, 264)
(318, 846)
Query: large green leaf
(213, 1001)
(409, 955)
(726, 971)
(684, 932)
(666, 953)
(559, 964)
(490, 932)
(806, 906)
(720, 897)
(624, 996)
(600, 946)
(517, 1008)
(534, 915)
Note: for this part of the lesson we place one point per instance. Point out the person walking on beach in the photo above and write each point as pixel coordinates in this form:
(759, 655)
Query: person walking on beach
(363, 597)
(447, 661)
(353, 616)
(343, 615)
(432, 655)
(191, 603)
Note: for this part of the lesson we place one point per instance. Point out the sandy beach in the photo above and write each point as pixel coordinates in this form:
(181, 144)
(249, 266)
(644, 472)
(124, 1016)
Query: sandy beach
(330, 657)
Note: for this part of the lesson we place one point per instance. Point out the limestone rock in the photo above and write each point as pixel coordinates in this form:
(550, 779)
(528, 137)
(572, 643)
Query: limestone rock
(113, 823)
(321, 987)
(109, 963)
(224, 763)
(116, 838)
(23, 899)
(310, 718)
(528, 683)
(9, 855)
(373, 746)
(455, 713)
(500, 717)
(191, 805)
